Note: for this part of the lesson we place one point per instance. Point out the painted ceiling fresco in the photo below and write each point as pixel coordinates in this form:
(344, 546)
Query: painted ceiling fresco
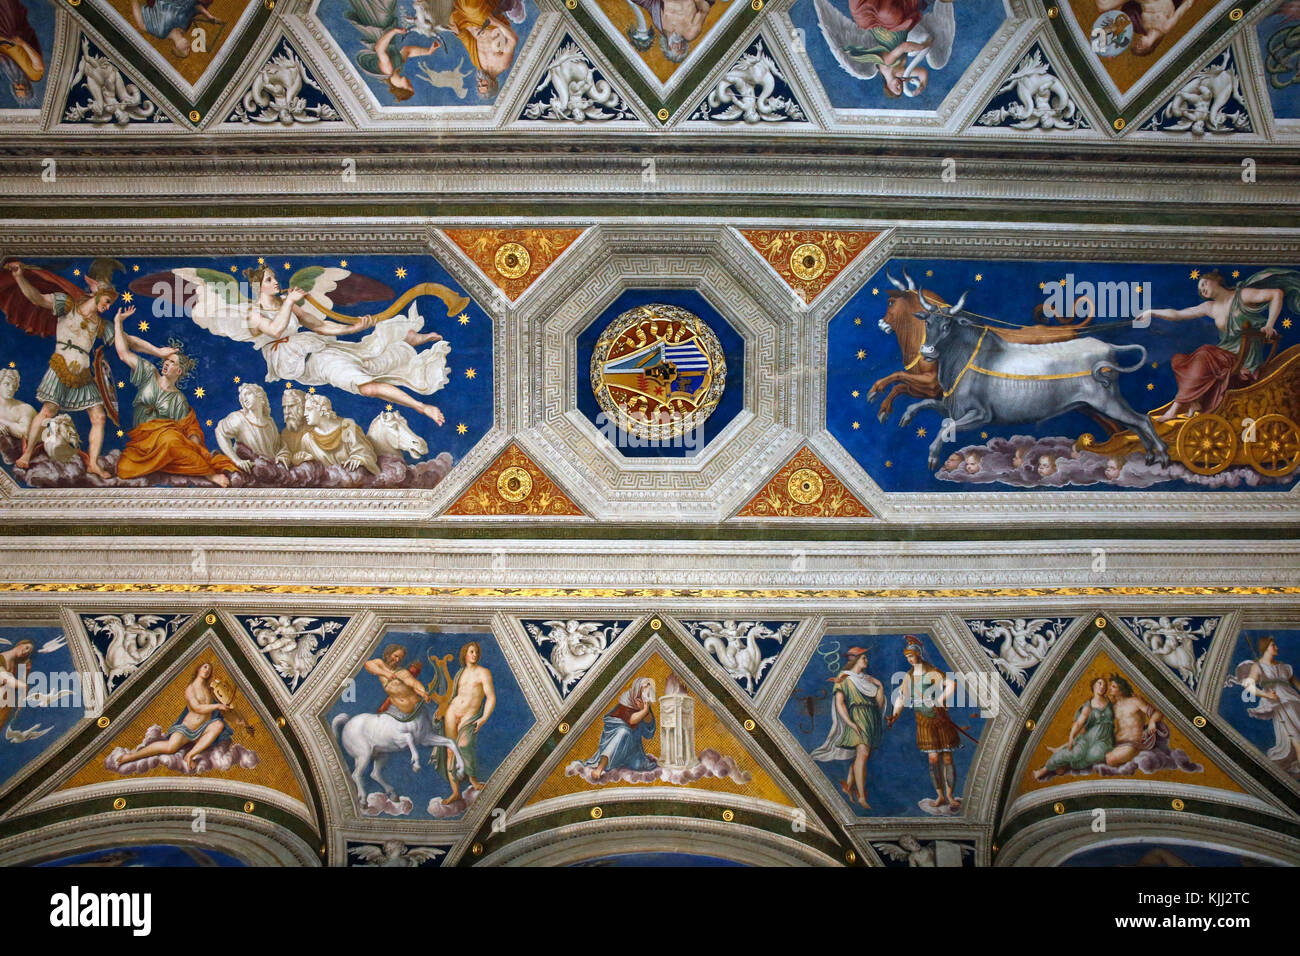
(1097, 69)
(443, 433)
(911, 728)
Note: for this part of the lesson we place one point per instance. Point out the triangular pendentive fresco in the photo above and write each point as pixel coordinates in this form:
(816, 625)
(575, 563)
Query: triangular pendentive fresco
(1261, 695)
(1211, 102)
(293, 644)
(513, 485)
(189, 52)
(513, 259)
(26, 49)
(437, 53)
(1016, 646)
(754, 91)
(654, 731)
(124, 641)
(284, 93)
(1033, 97)
(573, 90)
(1107, 728)
(1180, 643)
(744, 650)
(408, 756)
(887, 721)
(891, 56)
(569, 648)
(663, 37)
(203, 722)
(803, 488)
(102, 94)
(808, 260)
(1127, 51)
(40, 695)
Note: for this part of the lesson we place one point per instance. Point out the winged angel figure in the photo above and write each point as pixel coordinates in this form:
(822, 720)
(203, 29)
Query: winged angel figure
(893, 39)
(301, 345)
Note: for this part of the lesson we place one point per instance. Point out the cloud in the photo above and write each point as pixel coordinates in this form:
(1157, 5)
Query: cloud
(394, 472)
(996, 462)
(377, 803)
(442, 810)
(710, 763)
(221, 756)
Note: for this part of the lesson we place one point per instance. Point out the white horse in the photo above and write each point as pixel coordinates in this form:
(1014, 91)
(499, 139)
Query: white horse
(368, 737)
(391, 435)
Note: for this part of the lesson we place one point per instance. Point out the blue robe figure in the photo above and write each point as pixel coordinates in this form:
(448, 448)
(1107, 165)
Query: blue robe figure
(621, 746)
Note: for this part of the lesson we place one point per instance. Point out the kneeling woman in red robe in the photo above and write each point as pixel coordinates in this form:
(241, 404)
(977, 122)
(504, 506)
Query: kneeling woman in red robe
(166, 437)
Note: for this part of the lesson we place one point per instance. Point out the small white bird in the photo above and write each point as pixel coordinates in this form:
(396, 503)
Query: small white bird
(22, 736)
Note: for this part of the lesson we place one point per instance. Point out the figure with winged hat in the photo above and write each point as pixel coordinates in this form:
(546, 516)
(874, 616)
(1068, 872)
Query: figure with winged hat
(300, 344)
(892, 39)
(858, 723)
(78, 379)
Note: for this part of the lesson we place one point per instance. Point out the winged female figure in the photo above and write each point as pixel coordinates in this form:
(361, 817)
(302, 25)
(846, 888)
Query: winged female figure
(301, 345)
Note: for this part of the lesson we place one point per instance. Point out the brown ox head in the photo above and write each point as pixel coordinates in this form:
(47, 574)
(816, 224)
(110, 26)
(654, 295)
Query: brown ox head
(902, 316)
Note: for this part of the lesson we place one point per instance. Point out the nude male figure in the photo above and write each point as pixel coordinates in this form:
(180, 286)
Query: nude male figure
(1152, 19)
(1134, 719)
(474, 698)
(403, 689)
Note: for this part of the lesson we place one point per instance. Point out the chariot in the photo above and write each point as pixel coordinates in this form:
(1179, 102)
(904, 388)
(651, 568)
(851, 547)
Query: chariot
(1254, 425)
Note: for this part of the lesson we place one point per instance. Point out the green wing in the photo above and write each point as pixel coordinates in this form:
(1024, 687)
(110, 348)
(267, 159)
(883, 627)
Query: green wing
(222, 284)
(372, 18)
(305, 277)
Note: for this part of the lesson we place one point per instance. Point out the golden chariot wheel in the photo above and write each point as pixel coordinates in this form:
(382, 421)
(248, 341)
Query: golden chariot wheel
(1206, 444)
(1276, 449)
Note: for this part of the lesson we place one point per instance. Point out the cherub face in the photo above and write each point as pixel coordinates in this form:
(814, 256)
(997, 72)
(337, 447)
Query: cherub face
(1113, 468)
(972, 464)
(1046, 465)
(953, 462)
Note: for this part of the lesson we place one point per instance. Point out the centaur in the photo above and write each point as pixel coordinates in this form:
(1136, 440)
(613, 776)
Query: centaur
(403, 722)
(987, 380)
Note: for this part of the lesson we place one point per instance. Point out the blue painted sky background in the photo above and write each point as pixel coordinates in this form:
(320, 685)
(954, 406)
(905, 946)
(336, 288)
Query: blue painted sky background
(976, 23)
(451, 55)
(733, 350)
(1232, 707)
(1007, 290)
(150, 855)
(504, 729)
(898, 775)
(463, 400)
(1286, 101)
(60, 716)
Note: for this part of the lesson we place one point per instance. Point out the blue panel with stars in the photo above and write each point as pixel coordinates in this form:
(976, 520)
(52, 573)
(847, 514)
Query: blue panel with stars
(432, 357)
(1071, 449)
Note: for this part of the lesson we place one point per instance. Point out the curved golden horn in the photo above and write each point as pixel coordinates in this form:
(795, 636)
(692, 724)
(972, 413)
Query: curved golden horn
(454, 303)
